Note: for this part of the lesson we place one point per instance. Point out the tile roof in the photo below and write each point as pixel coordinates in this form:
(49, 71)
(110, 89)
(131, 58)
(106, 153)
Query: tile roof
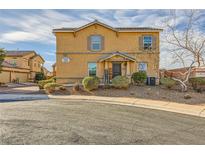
(8, 64)
(18, 53)
(120, 29)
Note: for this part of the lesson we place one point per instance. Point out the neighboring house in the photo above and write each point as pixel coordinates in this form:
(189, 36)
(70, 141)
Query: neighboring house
(181, 72)
(47, 73)
(20, 66)
(97, 49)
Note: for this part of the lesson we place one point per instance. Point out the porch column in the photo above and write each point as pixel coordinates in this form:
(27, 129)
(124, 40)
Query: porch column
(106, 65)
(128, 68)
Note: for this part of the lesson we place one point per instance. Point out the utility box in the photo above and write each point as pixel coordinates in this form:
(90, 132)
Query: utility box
(151, 81)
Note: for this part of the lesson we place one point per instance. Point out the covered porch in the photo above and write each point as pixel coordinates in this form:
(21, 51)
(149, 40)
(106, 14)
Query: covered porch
(115, 64)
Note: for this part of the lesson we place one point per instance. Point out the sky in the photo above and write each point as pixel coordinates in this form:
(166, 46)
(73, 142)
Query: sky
(32, 29)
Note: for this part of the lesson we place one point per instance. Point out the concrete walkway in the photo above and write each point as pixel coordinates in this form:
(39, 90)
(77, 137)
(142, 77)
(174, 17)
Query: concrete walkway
(196, 110)
(21, 97)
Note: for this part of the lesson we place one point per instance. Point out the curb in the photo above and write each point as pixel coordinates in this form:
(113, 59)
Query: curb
(19, 97)
(194, 110)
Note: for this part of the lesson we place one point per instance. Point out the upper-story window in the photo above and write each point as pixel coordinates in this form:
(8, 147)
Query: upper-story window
(147, 42)
(96, 42)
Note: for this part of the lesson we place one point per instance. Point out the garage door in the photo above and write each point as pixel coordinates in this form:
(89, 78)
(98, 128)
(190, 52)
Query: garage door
(23, 77)
(4, 77)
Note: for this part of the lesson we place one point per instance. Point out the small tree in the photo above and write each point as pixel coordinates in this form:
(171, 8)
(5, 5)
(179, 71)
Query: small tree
(39, 76)
(2, 56)
(187, 43)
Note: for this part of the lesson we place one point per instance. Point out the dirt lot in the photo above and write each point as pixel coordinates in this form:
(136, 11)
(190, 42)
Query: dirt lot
(148, 92)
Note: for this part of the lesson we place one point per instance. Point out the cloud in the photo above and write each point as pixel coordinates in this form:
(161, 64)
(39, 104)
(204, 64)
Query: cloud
(36, 25)
(49, 53)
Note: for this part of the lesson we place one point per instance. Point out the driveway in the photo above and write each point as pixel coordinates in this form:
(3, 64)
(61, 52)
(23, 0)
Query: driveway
(21, 92)
(57, 121)
(26, 88)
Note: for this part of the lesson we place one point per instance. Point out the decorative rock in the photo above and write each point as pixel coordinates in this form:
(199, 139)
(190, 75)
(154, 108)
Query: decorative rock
(132, 93)
(187, 96)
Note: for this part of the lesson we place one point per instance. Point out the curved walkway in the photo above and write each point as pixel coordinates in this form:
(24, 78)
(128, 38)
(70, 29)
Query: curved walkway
(196, 110)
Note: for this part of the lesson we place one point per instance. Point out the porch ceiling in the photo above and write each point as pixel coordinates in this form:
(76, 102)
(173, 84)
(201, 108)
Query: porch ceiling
(111, 55)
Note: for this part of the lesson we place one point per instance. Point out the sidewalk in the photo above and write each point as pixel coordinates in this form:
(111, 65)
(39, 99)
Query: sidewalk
(21, 97)
(196, 110)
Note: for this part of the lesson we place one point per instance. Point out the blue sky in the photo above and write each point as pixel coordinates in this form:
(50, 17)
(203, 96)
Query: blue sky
(32, 29)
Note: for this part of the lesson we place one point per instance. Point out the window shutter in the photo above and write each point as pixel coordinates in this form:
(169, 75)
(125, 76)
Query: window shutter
(141, 43)
(102, 43)
(154, 43)
(89, 42)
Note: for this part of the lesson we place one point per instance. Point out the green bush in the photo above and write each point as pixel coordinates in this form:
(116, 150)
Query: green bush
(42, 83)
(139, 77)
(39, 76)
(120, 82)
(197, 81)
(90, 83)
(51, 87)
(168, 82)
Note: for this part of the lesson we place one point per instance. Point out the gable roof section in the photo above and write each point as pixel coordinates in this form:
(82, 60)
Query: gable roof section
(37, 56)
(117, 29)
(117, 53)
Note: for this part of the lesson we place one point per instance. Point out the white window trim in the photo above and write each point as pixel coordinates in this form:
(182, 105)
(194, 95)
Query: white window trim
(144, 63)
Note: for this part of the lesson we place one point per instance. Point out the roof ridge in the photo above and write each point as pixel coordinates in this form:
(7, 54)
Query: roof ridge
(106, 25)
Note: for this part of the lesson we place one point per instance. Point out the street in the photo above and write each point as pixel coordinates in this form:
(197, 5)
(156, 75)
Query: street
(84, 122)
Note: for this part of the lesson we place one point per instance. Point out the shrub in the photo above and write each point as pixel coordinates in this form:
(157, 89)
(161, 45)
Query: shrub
(39, 76)
(90, 83)
(168, 82)
(120, 82)
(97, 79)
(51, 87)
(44, 82)
(197, 81)
(139, 77)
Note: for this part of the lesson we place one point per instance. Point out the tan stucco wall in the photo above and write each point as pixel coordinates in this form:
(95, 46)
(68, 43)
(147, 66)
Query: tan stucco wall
(75, 48)
(36, 64)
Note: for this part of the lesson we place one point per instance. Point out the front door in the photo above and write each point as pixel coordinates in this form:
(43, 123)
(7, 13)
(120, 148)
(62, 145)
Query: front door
(116, 69)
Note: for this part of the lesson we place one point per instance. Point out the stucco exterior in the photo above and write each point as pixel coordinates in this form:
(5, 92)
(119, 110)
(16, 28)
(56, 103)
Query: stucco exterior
(74, 45)
(21, 66)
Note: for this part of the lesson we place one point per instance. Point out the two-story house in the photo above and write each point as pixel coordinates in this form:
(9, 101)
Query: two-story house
(20, 66)
(97, 49)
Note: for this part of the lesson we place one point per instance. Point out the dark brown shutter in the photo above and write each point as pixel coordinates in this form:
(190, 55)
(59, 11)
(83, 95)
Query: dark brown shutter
(89, 42)
(154, 42)
(141, 46)
(102, 43)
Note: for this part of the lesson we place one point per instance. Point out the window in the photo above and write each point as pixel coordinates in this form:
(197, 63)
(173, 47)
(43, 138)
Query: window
(147, 42)
(65, 59)
(92, 69)
(143, 66)
(95, 41)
